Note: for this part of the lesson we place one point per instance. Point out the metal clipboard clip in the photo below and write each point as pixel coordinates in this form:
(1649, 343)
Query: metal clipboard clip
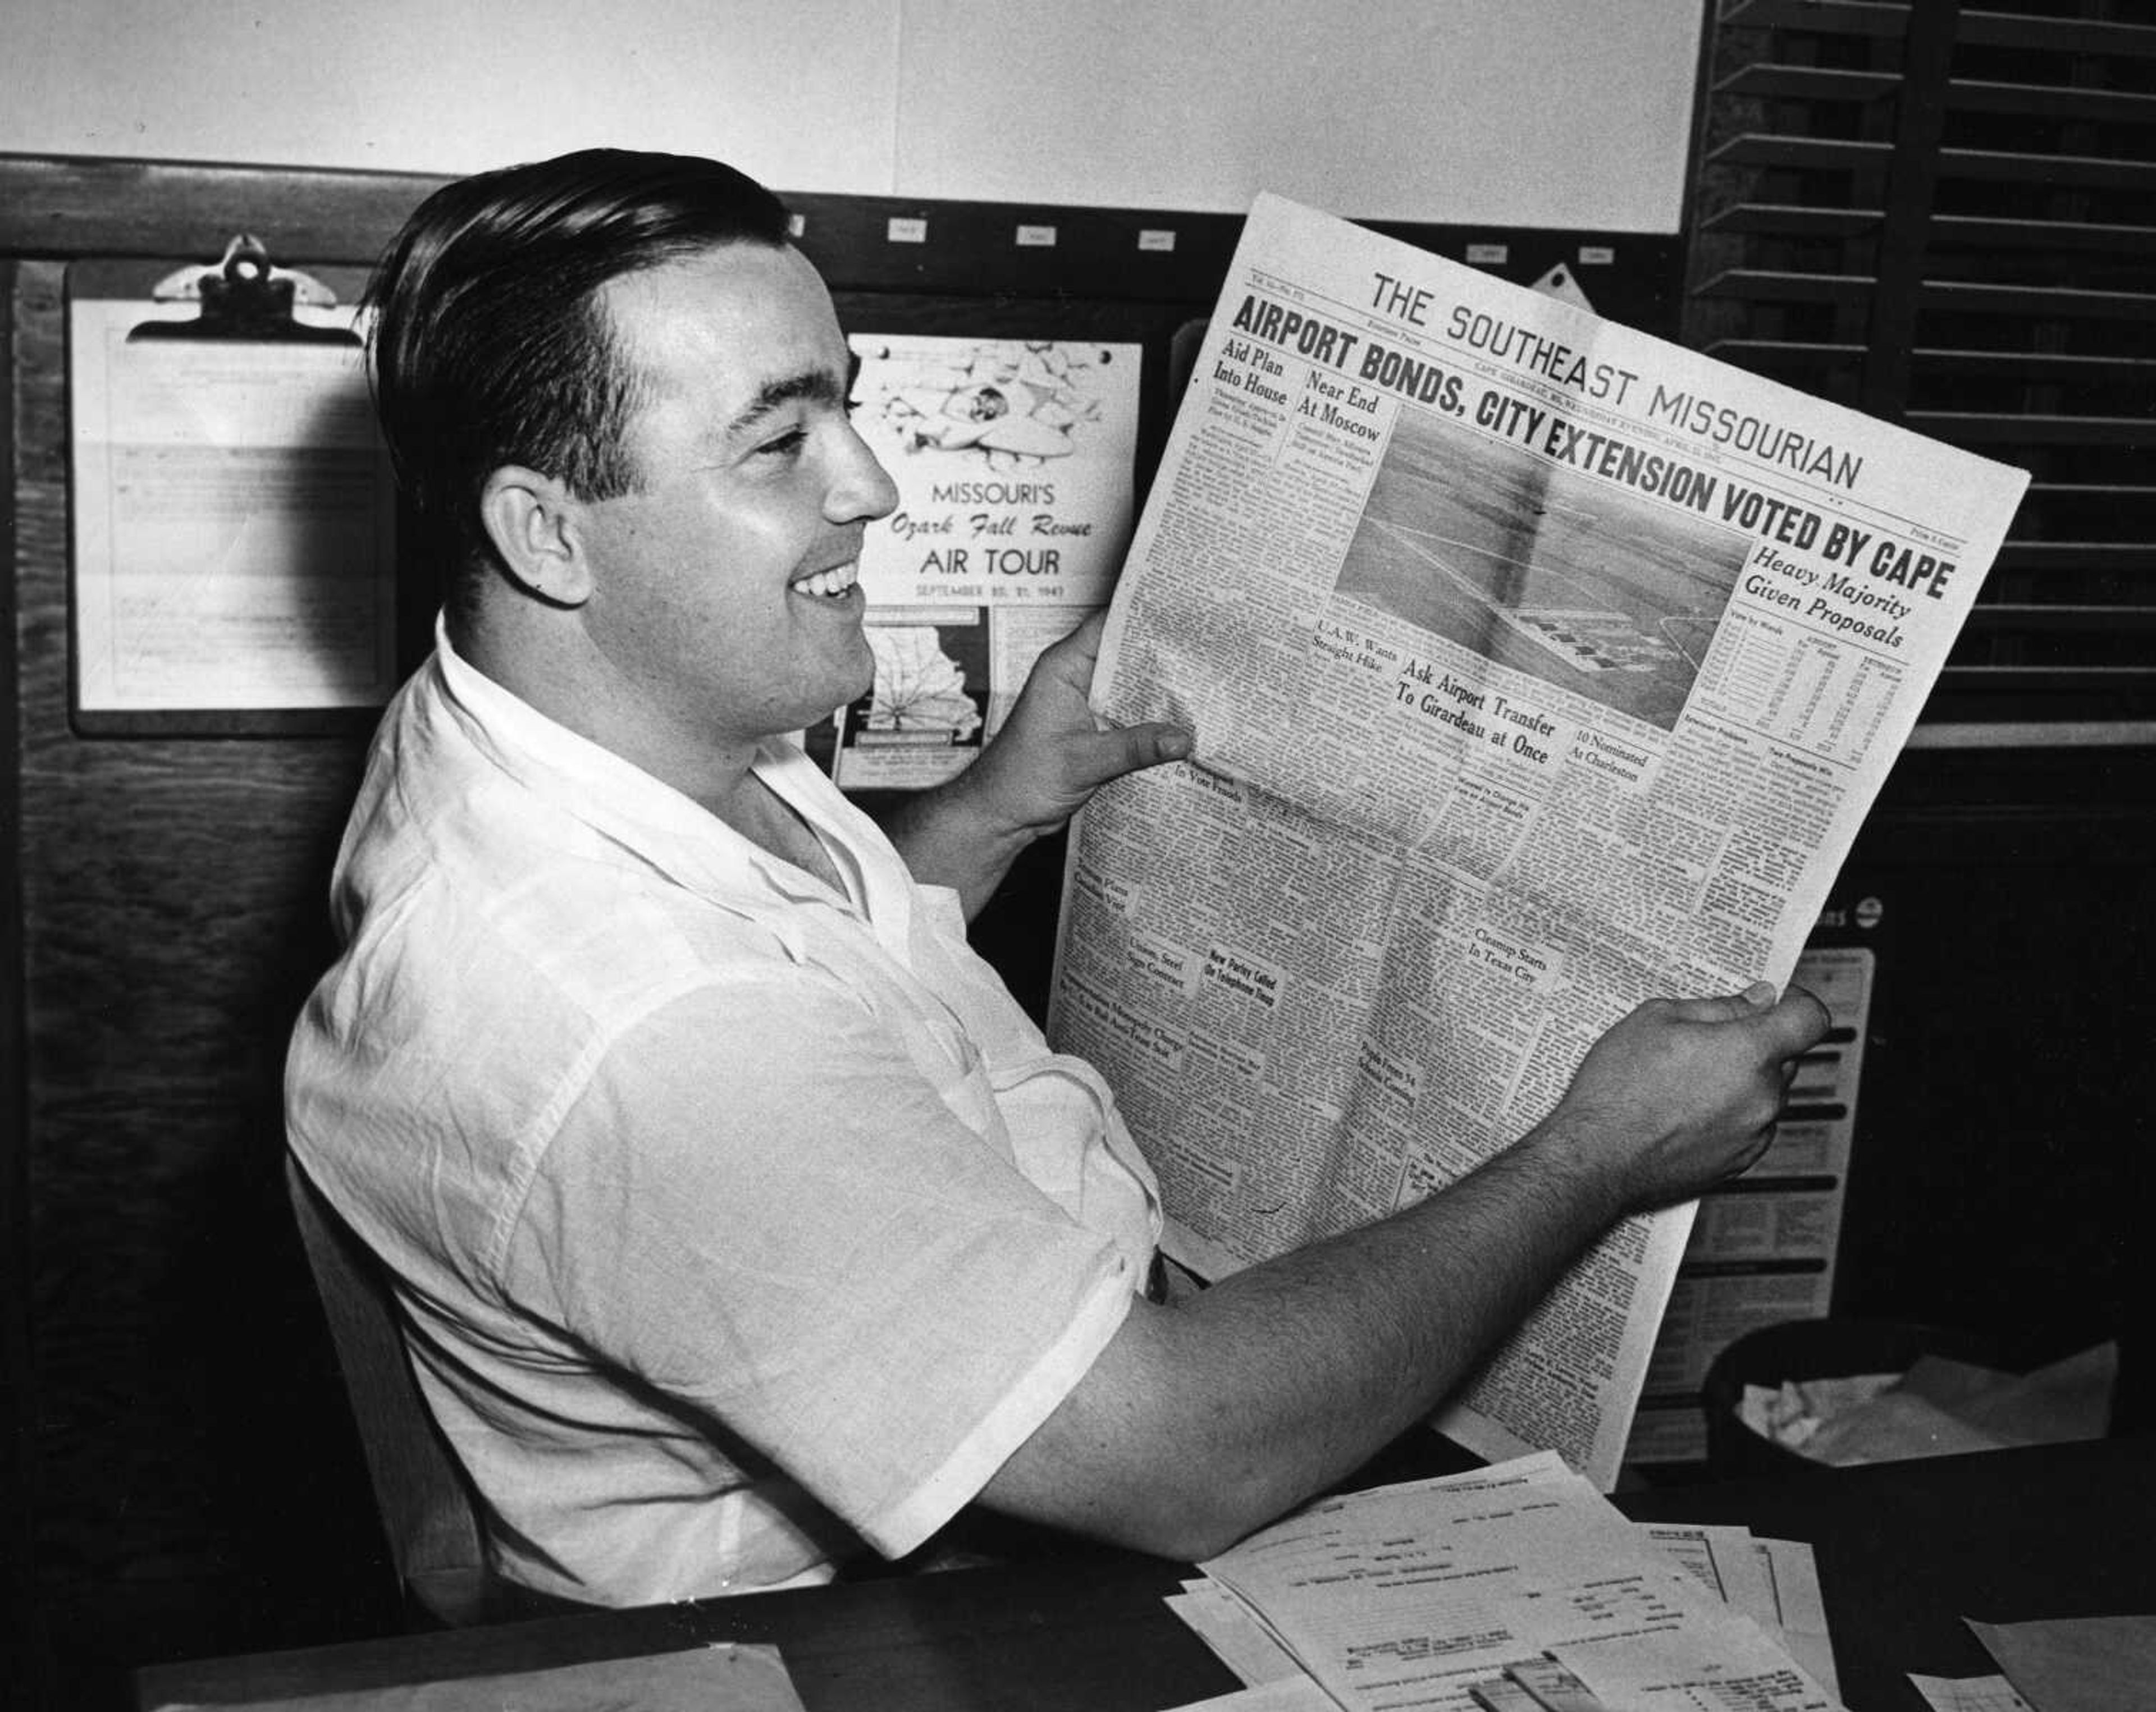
(244, 296)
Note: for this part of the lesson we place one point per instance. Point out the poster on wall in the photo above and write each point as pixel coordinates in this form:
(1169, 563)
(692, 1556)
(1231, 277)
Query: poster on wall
(1014, 461)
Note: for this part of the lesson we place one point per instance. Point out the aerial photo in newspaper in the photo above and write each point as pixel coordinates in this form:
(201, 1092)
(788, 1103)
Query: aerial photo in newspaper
(1537, 667)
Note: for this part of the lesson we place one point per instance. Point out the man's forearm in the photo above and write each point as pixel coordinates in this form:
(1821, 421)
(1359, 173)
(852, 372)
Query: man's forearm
(1356, 1338)
(1223, 1411)
(948, 837)
(1203, 1420)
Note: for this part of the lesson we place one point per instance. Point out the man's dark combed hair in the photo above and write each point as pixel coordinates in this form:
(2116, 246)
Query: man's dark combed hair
(490, 346)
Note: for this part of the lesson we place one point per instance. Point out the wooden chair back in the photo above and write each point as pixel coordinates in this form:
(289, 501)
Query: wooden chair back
(427, 1506)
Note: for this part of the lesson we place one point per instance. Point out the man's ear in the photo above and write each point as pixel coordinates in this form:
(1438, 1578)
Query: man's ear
(530, 520)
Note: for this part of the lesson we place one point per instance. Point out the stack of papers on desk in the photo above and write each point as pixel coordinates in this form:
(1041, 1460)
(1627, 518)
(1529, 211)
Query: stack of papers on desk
(1516, 1588)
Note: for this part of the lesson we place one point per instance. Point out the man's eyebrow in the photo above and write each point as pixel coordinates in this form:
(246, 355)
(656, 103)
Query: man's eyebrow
(817, 386)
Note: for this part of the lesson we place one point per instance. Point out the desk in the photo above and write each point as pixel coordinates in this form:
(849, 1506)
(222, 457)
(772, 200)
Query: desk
(1905, 1551)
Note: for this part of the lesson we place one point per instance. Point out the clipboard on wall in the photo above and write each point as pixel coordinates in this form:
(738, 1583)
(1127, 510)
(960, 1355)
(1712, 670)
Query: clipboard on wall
(233, 514)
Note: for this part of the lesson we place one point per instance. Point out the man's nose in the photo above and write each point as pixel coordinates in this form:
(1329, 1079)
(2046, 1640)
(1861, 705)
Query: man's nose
(863, 489)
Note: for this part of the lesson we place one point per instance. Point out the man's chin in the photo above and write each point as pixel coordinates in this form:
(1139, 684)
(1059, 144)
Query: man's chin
(864, 679)
(850, 688)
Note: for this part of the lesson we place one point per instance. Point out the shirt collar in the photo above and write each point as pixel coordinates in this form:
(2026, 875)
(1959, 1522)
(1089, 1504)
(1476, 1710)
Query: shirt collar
(649, 819)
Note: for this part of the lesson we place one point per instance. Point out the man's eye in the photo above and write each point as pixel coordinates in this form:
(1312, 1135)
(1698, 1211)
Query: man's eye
(785, 445)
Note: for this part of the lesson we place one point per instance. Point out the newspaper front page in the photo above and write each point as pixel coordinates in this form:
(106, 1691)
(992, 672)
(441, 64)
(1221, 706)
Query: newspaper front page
(1537, 667)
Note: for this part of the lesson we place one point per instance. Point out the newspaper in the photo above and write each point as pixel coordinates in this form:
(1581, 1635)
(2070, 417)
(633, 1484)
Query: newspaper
(1537, 667)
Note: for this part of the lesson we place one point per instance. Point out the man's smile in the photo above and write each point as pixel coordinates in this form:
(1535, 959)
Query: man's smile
(830, 582)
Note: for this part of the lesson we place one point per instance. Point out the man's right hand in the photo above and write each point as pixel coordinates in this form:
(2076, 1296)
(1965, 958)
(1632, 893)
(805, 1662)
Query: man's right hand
(1683, 1093)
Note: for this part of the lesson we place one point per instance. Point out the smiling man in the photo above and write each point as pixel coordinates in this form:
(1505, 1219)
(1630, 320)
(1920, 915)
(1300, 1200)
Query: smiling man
(741, 1221)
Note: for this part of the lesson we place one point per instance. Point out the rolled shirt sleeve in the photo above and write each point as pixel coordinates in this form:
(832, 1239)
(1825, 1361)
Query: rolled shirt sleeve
(815, 1234)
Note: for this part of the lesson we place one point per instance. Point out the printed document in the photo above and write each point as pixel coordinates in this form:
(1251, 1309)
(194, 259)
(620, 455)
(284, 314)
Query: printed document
(1537, 667)
(1430, 1596)
(234, 516)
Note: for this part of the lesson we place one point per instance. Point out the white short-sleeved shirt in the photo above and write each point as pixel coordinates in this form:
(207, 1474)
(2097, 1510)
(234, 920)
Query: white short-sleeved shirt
(738, 1220)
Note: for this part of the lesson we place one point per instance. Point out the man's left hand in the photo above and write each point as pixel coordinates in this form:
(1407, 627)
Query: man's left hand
(1052, 754)
(1041, 768)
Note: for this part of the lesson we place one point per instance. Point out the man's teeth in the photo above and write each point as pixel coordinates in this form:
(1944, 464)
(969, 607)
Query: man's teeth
(829, 582)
